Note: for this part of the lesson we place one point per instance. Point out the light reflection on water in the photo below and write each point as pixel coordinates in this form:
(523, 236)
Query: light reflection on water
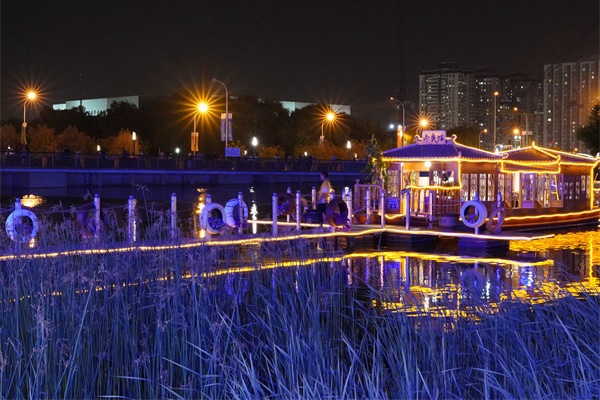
(416, 283)
(443, 285)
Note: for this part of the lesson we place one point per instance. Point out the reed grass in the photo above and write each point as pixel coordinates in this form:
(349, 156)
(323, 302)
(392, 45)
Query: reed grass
(157, 324)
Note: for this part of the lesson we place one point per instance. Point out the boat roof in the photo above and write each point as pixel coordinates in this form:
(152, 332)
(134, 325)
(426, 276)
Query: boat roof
(541, 155)
(439, 149)
(435, 146)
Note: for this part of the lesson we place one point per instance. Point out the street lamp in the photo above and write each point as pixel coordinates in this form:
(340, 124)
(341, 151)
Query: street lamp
(349, 147)
(526, 124)
(201, 108)
(516, 136)
(403, 110)
(330, 116)
(496, 93)
(29, 97)
(254, 144)
(483, 131)
(226, 113)
(133, 138)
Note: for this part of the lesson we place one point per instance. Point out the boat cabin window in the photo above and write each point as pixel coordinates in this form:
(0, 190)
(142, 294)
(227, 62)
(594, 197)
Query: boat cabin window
(539, 191)
(555, 190)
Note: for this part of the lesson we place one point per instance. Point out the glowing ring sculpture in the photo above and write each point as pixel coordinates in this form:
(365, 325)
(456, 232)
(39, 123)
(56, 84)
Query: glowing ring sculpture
(212, 218)
(337, 213)
(499, 214)
(286, 204)
(19, 232)
(476, 219)
(232, 214)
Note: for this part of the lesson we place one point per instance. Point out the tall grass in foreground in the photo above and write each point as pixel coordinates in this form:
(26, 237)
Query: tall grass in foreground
(155, 325)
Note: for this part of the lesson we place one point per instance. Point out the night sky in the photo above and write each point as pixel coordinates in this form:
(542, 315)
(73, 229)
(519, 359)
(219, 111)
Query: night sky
(345, 52)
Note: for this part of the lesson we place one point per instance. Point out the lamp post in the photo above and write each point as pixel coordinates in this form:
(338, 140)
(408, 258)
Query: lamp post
(133, 138)
(403, 110)
(254, 144)
(349, 147)
(30, 96)
(515, 138)
(526, 125)
(496, 93)
(328, 118)
(483, 131)
(226, 113)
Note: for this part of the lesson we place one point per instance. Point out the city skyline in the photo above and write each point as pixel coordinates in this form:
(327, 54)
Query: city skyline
(317, 52)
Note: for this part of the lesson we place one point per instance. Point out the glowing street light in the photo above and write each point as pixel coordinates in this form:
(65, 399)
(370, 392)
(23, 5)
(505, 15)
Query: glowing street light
(201, 108)
(423, 123)
(254, 144)
(30, 96)
(329, 117)
(526, 124)
(516, 137)
(133, 139)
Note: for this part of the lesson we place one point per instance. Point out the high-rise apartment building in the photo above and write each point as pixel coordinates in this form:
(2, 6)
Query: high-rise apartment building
(487, 83)
(570, 91)
(446, 97)
(451, 98)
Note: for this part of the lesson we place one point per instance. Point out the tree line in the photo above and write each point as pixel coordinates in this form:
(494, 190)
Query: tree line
(163, 124)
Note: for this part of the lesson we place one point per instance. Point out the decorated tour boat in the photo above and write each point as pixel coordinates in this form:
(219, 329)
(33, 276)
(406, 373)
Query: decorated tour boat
(439, 182)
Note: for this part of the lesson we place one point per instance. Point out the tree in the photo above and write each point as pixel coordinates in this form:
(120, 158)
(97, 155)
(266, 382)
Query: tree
(75, 140)
(123, 141)
(376, 168)
(9, 137)
(590, 133)
(42, 139)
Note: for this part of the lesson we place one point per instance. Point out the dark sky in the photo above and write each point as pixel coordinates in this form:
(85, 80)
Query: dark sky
(344, 52)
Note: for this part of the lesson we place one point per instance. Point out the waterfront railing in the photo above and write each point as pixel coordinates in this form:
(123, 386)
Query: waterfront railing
(101, 161)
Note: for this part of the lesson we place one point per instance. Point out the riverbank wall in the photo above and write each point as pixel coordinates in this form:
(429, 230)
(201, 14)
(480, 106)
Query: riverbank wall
(38, 178)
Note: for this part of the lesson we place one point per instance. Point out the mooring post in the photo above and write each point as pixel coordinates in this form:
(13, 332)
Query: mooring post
(173, 214)
(382, 205)
(349, 204)
(368, 205)
(17, 207)
(97, 215)
(431, 208)
(289, 191)
(131, 219)
(241, 212)
(204, 234)
(407, 209)
(274, 212)
(298, 210)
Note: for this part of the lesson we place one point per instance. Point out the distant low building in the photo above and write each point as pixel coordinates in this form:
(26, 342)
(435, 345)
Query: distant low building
(292, 106)
(97, 106)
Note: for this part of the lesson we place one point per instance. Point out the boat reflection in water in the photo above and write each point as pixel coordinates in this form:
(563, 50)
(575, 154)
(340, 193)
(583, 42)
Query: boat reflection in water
(453, 286)
(445, 285)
